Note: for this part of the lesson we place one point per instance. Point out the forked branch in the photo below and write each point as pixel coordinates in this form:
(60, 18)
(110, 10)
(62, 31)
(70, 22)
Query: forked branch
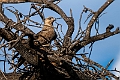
(94, 18)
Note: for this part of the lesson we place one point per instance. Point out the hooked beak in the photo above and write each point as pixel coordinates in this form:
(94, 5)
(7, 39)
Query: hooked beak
(54, 19)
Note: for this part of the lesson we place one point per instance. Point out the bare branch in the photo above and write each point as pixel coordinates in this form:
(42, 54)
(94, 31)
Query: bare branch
(54, 7)
(20, 1)
(79, 44)
(109, 64)
(3, 75)
(95, 16)
(25, 52)
(54, 60)
(38, 10)
(80, 28)
(98, 65)
(17, 26)
(68, 20)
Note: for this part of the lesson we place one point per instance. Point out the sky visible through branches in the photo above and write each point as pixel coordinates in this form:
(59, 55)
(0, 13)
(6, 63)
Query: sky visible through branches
(103, 51)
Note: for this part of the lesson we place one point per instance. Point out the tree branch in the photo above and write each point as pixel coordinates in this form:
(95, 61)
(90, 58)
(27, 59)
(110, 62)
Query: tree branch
(57, 9)
(103, 70)
(79, 44)
(27, 53)
(17, 26)
(68, 20)
(20, 1)
(95, 16)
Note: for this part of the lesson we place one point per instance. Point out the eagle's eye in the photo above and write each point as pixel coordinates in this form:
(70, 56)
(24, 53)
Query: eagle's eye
(50, 18)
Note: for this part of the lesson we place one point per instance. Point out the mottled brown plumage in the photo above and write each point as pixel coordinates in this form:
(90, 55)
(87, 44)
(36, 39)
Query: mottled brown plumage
(47, 34)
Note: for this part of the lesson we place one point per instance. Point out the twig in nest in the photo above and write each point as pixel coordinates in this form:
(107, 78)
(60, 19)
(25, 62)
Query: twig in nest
(3, 75)
(17, 40)
(2, 45)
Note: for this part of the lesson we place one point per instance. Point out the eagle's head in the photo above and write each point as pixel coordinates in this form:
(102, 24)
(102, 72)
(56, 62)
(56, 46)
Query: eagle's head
(49, 21)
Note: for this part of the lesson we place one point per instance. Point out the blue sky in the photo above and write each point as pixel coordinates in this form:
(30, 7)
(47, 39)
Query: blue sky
(103, 51)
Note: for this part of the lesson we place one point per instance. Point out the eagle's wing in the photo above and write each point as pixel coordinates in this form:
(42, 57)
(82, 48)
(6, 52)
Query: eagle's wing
(47, 35)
